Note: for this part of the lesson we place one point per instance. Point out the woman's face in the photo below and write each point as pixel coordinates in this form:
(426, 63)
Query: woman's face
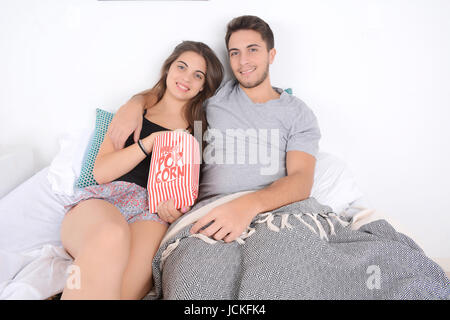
(186, 76)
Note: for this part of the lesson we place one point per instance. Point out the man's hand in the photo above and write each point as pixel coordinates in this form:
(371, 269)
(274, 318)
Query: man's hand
(229, 220)
(168, 213)
(128, 119)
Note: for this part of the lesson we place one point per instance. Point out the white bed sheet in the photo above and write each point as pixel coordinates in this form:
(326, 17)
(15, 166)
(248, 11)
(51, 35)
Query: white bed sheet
(34, 275)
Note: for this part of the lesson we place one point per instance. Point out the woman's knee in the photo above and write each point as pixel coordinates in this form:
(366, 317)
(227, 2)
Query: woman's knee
(92, 225)
(112, 238)
(146, 237)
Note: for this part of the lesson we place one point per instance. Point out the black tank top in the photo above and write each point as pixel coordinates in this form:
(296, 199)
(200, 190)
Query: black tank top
(139, 175)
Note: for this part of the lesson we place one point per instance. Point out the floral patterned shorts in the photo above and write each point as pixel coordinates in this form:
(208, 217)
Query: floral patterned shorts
(130, 198)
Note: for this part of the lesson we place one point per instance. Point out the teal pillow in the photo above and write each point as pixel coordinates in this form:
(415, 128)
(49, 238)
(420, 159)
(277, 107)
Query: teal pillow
(102, 120)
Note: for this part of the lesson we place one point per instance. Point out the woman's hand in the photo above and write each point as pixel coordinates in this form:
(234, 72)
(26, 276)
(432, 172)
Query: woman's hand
(149, 141)
(168, 213)
(128, 119)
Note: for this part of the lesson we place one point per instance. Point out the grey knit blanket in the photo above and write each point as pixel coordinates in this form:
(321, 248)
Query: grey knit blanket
(299, 251)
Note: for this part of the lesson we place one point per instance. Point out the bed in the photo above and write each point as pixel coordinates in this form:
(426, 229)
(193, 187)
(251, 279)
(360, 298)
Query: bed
(34, 264)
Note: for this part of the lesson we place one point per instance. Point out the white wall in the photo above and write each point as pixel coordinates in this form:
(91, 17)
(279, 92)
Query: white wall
(376, 73)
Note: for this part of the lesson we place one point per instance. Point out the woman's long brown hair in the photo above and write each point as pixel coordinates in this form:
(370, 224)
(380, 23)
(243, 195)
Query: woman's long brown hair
(193, 110)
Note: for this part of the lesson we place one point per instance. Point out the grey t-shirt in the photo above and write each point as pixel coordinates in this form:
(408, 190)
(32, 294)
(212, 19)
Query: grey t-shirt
(247, 142)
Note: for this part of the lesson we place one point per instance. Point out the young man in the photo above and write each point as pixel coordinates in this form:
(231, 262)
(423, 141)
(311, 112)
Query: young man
(247, 108)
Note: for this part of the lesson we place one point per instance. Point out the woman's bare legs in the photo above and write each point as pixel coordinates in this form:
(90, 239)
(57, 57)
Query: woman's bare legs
(97, 236)
(145, 239)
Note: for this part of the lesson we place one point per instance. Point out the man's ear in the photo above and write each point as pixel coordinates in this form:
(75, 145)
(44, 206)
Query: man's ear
(272, 54)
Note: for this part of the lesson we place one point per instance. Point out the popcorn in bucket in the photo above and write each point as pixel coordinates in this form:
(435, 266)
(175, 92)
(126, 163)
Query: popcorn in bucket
(174, 170)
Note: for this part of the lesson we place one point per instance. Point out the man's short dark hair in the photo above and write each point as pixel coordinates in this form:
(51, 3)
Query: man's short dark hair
(251, 23)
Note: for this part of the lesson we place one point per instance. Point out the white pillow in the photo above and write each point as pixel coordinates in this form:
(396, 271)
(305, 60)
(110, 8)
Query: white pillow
(31, 215)
(32, 261)
(334, 184)
(66, 166)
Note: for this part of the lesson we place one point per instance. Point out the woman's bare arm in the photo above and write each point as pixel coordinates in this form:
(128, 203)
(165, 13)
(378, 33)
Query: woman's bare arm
(111, 164)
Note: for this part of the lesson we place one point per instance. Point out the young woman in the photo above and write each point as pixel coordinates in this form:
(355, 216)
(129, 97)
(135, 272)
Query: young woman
(108, 230)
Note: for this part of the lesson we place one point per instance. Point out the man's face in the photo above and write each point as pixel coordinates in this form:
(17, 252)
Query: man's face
(249, 58)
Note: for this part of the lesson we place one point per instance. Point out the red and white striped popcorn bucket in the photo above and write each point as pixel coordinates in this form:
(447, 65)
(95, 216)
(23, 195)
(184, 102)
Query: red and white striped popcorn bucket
(174, 170)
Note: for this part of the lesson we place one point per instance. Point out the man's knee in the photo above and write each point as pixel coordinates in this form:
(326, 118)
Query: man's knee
(199, 270)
